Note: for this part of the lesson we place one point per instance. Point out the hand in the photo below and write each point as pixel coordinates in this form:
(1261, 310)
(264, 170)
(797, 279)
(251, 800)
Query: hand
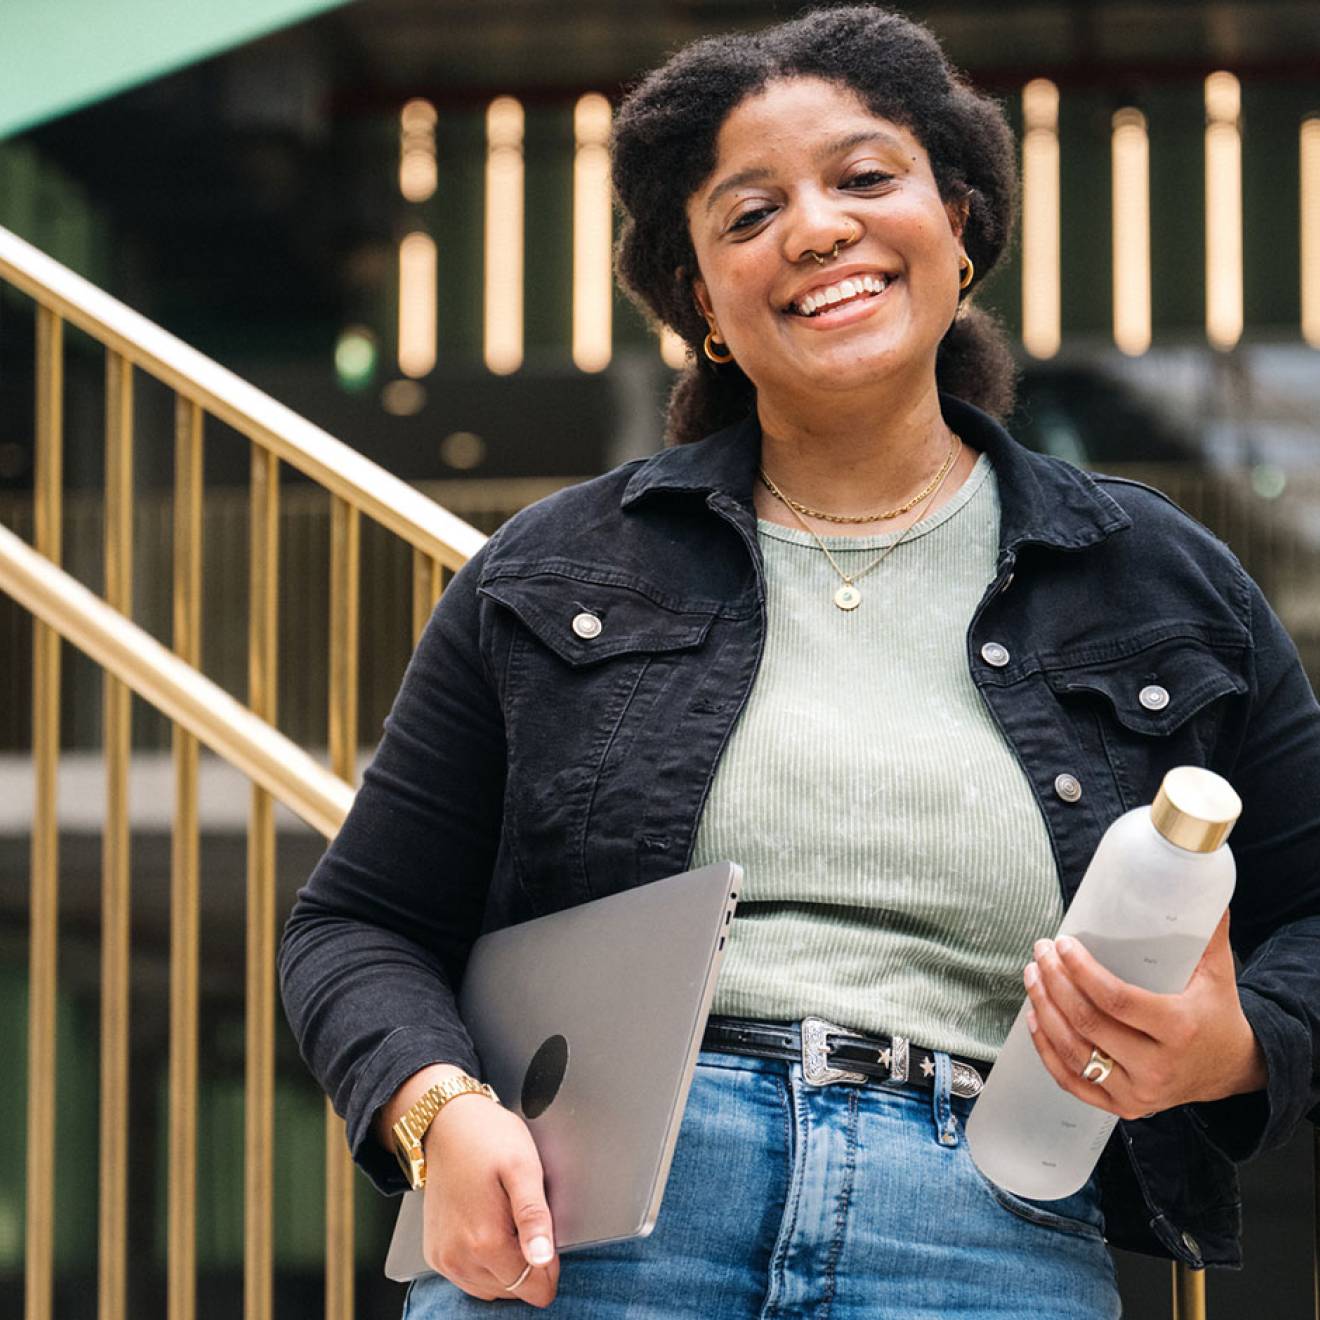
(1167, 1049)
(486, 1217)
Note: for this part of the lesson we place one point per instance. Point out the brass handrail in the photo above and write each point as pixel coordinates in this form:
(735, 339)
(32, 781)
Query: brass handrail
(189, 698)
(276, 428)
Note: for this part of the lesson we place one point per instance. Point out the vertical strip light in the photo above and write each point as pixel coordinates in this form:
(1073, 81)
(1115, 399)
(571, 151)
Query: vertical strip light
(417, 304)
(1041, 294)
(1223, 210)
(672, 348)
(1310, 172)
(503, 344)
(417, 168)
(1131, 220)
(593, 291)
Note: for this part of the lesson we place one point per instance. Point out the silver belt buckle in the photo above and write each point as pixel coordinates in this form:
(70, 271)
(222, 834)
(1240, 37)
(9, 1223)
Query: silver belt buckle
(816, 1070)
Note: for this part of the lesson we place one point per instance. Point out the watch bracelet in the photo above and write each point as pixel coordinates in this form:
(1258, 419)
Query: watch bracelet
(450, 1089)
(423, 1111)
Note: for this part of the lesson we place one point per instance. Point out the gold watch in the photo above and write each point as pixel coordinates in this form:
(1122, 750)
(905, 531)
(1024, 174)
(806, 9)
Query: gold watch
(411, 1128)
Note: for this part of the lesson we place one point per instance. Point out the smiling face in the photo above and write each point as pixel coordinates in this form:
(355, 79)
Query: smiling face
(802, 165)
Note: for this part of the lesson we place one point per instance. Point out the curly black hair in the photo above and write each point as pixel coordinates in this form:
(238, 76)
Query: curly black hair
(663, 149)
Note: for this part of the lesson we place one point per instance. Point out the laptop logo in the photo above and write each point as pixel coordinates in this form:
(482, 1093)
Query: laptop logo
(544, 1076)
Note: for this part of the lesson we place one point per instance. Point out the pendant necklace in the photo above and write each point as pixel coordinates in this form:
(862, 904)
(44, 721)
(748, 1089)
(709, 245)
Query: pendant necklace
(847, 596)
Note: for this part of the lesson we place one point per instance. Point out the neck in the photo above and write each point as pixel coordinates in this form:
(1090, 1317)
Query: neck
(854, 456)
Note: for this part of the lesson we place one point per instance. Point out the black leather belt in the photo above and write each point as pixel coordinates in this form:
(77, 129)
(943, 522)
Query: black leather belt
(829, 1053)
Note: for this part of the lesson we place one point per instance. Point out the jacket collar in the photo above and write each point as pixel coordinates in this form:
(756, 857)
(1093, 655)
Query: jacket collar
(1043, 500)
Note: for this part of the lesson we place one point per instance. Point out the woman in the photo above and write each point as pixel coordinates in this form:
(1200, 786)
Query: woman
(906, 673)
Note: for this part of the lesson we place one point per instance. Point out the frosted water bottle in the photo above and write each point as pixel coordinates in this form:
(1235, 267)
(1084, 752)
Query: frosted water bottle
(1146, 908)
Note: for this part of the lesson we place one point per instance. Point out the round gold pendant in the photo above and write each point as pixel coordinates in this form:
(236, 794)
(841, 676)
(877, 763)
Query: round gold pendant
(847, 597)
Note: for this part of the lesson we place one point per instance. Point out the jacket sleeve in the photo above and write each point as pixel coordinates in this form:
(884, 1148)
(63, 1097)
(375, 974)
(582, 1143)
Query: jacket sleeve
(1275, 923)
(377, 940)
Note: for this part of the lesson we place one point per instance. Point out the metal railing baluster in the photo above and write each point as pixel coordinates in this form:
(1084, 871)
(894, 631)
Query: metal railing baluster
(44, 910)
(181, 1286)
(116, 893)
(259, 1086)
(345, 595)
(426, 583)
(1188, 1293)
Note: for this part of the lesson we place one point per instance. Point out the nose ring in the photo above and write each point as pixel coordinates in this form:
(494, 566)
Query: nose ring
(853, 236)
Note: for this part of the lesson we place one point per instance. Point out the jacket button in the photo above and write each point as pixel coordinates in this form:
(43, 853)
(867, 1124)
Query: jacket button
(1153, 697)
(994, 654)
(1068, 787)
(587, 625)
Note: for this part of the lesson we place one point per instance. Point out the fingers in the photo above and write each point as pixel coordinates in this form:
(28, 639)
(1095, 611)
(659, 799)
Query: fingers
(488, 1227)
(1072, 1082)
(491, 1267)
(514, 1255)
(1084, 1022)
(1167, 1048)
(524, 1184)
(1143, 1010)
(1066, 1025)
(1062, 1049)
(534, 1285)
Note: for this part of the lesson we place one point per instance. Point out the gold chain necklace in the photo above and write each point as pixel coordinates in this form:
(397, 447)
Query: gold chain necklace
(847, 597)
(928, 489)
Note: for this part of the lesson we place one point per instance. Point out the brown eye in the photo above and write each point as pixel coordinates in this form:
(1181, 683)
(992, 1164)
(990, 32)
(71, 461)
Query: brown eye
(868, 179)
(748, 219)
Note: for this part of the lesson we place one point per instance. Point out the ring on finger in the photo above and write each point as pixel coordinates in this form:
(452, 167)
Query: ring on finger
(519, 1281)
(1098, 1067)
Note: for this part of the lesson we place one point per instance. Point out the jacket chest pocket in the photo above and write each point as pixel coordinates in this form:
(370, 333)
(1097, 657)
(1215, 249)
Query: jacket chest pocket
(1159, 707)
(595, 678)
(585, 624)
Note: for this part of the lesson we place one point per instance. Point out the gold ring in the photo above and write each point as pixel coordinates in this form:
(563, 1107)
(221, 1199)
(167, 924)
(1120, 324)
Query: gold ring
(519, 1281)
(1098, 1067)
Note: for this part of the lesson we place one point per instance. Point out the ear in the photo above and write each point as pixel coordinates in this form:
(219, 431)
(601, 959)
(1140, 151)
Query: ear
(958, 209)
(702, 295)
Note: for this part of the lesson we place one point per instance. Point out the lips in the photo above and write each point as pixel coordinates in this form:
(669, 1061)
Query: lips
(849, 289)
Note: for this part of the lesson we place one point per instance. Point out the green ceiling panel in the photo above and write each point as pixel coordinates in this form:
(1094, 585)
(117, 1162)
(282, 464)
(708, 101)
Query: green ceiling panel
(58, 55)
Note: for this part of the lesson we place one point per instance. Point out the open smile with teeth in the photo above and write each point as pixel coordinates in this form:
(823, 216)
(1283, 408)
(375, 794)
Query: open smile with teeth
(846, 291)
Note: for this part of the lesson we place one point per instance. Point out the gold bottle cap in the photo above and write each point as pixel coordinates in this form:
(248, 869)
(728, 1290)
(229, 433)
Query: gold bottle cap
(1195, 808)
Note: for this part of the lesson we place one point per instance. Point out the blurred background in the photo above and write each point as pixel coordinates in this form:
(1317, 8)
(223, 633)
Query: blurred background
(393, 216)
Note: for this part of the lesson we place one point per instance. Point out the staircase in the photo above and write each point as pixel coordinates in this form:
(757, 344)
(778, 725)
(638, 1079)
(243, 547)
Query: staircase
(243, 733)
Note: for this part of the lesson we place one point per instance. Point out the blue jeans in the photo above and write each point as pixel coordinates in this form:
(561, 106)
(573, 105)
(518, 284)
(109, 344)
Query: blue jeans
(839, 1203)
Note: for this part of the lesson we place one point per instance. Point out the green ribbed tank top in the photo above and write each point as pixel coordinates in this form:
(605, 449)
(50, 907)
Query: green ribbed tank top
(897, 867)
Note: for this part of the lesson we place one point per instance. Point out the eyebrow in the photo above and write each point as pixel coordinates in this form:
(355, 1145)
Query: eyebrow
(835, 148)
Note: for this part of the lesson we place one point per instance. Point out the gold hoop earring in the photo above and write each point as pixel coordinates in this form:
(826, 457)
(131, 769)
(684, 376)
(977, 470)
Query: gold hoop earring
(708, 347)
(967, 271)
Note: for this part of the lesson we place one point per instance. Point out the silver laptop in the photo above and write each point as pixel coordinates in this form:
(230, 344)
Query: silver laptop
(588, 1023)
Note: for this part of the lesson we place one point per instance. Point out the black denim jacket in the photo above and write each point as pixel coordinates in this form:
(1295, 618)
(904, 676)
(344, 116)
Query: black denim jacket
(525, 768)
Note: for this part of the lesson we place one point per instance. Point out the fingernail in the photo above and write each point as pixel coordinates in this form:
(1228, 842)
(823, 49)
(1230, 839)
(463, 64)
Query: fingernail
(1041, 949)
(539, 1251)
(1030, 976)
(1065, 944)
(1031, 1022)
